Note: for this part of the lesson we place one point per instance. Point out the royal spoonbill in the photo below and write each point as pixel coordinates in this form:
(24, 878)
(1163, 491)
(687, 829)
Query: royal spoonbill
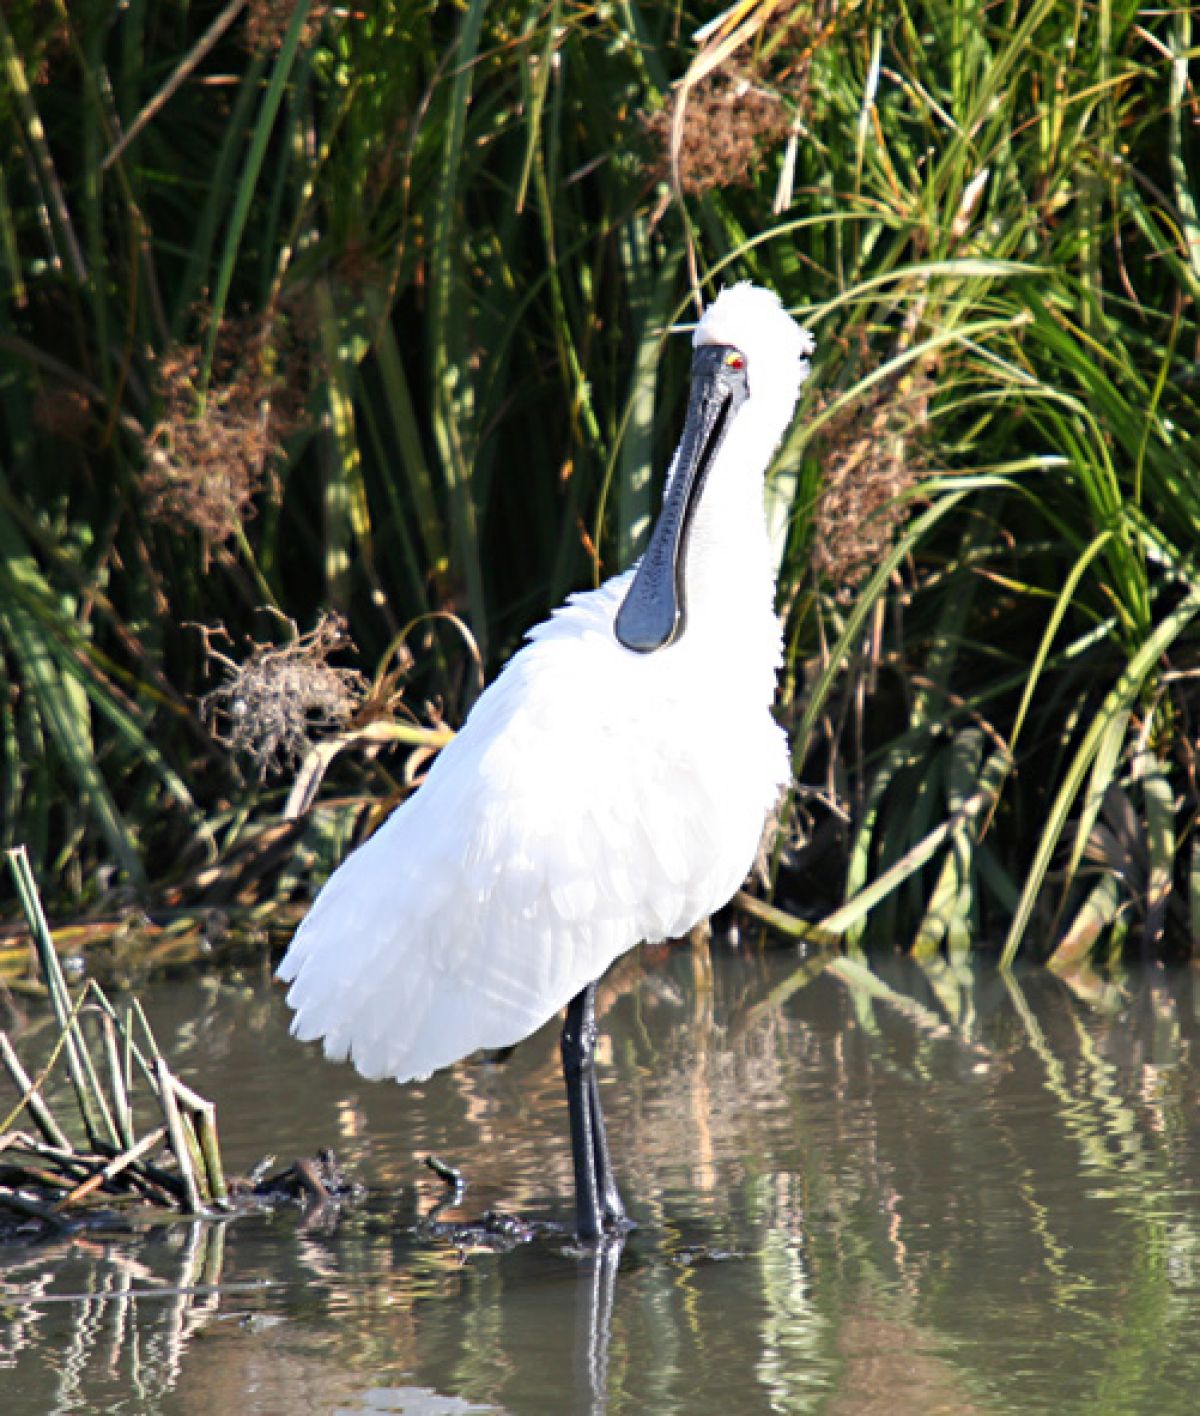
(610, 786)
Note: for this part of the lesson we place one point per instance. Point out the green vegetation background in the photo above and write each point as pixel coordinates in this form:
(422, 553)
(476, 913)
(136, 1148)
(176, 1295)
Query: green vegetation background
(364, 310)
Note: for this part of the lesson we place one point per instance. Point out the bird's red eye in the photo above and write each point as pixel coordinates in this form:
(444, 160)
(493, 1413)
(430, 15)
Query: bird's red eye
(734, 360)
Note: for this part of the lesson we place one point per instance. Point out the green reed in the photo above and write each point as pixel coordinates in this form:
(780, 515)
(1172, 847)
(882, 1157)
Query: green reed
(368, 312)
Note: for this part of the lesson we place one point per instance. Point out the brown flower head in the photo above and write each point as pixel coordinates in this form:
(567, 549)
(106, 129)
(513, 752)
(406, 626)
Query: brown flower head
(730, 118)
(728, 127)
(872, 459)
(209, 454)
(267, 23)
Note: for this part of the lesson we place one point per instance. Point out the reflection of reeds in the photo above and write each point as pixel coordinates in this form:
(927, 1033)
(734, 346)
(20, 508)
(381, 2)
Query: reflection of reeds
(132, 1315)
(883, 1191)
(45, 1178)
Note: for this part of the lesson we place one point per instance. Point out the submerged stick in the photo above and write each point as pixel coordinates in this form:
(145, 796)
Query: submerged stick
(11, 1199)
(156, 1184)
(65, 1157)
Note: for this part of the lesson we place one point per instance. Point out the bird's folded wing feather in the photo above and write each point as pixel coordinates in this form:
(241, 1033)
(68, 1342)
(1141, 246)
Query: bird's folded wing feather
(510, 881)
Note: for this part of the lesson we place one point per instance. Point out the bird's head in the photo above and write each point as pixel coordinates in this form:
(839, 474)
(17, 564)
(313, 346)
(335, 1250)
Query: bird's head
(749, 360)
(749, 321)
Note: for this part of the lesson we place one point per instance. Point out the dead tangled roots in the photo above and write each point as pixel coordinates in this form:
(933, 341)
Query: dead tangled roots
(272, 703)
(872, 459)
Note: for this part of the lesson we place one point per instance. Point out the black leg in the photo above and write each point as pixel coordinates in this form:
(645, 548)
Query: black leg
(606, 1185)
(597, 1202)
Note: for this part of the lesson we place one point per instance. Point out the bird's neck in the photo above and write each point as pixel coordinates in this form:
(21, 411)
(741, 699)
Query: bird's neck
(729, 572)
(729, 566)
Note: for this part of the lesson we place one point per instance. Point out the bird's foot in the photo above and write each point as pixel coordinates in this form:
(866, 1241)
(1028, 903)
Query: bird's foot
(615, 1224)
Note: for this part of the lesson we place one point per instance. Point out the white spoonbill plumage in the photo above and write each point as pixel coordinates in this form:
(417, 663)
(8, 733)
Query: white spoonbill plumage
(611, 786)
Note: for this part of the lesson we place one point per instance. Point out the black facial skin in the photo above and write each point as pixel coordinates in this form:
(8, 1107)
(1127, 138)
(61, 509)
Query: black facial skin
(653, 613)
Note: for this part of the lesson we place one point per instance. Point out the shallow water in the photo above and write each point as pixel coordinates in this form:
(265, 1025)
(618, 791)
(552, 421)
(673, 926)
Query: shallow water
(973, 1195)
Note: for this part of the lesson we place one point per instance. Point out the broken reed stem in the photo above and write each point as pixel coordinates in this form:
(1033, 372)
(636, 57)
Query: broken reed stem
(789, 924)
(188, 1119)
(31, 1098)
(67, 1158)
(92, 1107)
(36, 1085)
(197, 1131)
(135, 1007)
(181, 1142)
(203, 1116)
(124, 1026)
(46, 1178)
(157, 1185)
(117, 1079)
(85, 1173)
(46, 1213)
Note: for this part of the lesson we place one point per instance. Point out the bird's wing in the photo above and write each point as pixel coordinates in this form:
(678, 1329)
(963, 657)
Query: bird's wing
(486, 901)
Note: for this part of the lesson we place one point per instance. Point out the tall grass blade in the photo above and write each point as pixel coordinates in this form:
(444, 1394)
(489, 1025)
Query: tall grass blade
(1094, 759)
(248, 181)
(453, 392)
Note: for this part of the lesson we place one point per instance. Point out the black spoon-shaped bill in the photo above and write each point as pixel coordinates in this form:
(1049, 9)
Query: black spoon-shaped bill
(654, 613)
